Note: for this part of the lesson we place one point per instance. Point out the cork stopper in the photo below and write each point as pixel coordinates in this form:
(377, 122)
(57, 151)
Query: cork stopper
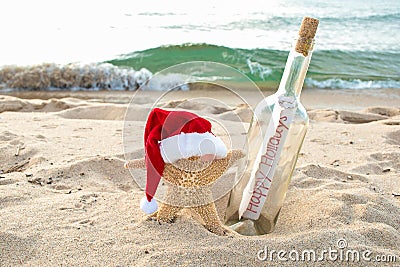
(307, 32)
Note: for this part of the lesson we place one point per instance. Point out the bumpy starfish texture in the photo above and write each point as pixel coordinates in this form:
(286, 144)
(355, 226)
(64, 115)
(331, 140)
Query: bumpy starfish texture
(189, 186)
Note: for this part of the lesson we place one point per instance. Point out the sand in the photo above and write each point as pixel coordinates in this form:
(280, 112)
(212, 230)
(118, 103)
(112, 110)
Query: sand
(65, 198)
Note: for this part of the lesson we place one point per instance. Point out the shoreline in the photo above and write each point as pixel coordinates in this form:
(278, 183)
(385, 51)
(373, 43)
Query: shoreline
(311, 98)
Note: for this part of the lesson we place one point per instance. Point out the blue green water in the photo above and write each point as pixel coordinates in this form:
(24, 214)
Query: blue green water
(328, 69)
(357, 43)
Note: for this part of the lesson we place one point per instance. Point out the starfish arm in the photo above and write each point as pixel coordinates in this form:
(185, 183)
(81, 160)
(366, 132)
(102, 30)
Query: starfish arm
(234, 155)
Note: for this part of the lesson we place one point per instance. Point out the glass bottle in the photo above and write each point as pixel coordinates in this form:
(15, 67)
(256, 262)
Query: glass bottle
(275, 138)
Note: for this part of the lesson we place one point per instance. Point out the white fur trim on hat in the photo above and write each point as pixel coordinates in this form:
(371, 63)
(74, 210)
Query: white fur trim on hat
(186, 145)
(148, 207)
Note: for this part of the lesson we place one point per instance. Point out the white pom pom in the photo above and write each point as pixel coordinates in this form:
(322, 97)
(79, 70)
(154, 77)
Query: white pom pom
(148, 207)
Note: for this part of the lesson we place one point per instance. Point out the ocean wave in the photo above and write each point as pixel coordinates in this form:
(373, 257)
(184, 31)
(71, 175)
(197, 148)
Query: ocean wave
(266, 23)
(258, 64)
(96, 76)
(328, 69)
(258, 69)
(373, 17)
(267, 65)
(166, 82)
(261, 24)
(336, 83)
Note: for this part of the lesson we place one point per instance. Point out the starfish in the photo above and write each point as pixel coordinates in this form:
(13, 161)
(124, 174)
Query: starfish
(189, 186)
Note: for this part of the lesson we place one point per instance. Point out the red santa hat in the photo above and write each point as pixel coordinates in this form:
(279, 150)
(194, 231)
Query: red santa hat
(170, 136)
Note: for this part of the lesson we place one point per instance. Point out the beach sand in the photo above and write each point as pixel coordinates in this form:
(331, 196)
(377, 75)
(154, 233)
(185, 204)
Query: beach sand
(65, 198)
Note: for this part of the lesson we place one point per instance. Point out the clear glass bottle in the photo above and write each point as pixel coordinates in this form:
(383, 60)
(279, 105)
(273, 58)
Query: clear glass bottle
(275, 138)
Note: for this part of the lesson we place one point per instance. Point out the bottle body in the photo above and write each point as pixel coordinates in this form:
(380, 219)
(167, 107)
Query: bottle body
(275, 138)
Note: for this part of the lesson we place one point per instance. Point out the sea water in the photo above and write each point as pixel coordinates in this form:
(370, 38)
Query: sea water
(357, 43)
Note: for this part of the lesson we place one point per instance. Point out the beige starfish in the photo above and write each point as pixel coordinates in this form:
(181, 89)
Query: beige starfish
(189, 186)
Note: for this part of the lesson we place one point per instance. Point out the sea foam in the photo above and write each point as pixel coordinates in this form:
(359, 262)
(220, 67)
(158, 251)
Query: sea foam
(336, 83)
(95, 76)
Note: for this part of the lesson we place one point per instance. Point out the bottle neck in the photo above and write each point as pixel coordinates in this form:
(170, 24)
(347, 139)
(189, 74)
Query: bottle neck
(295, 72)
